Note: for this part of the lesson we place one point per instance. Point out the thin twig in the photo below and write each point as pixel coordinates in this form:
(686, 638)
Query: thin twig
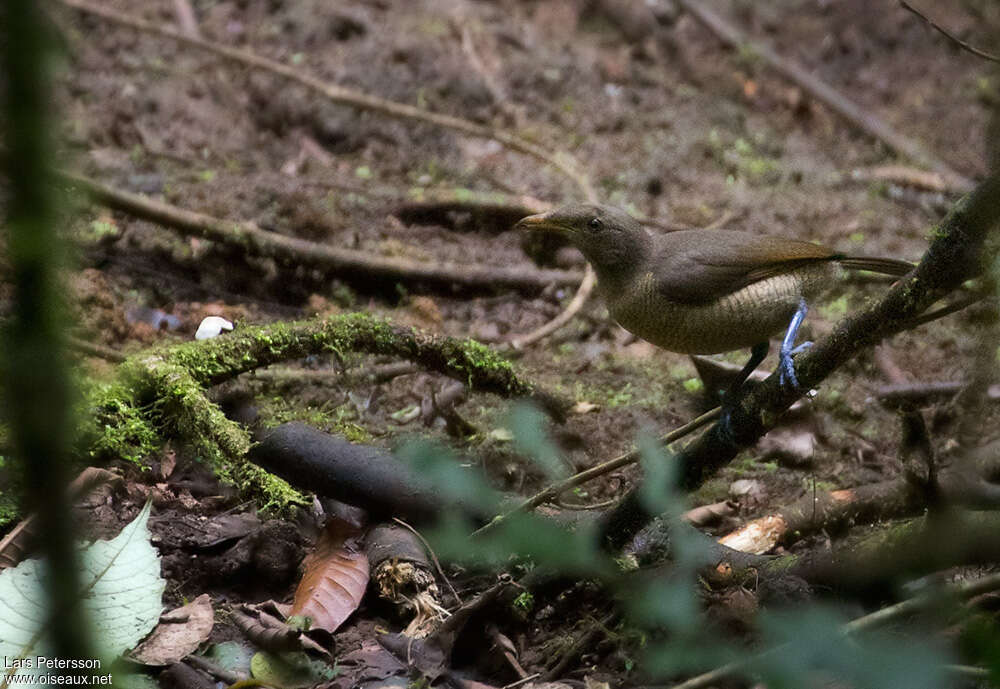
(579, 646)
(488, 76)
(583, 293)
(217, 671)
(970, 671)
(630, 457)
(582, 508)
(96, 350)
(186, 18)
(946, 310)
(947, 34)
(524, 680)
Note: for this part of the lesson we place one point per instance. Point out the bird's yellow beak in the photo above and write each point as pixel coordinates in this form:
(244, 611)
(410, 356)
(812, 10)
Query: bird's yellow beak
(542, 222)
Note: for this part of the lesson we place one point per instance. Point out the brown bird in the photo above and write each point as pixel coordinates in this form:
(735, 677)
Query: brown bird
(703, 291)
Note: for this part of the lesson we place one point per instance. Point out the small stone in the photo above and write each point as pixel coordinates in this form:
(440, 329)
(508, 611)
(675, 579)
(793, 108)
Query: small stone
(748, 492)
(790, 447)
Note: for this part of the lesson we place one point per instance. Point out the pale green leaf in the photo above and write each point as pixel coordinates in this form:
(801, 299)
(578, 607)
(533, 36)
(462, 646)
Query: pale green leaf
(121, 589)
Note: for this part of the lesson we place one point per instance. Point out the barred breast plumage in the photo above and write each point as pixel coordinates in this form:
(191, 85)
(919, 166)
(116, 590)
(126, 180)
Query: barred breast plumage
(742, 318)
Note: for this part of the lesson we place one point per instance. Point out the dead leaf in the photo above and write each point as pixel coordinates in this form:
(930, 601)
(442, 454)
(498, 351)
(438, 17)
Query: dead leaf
(168, 462)
(426, 311)
(178, 634)
(583, 408)
(370, 662)
(335, 578)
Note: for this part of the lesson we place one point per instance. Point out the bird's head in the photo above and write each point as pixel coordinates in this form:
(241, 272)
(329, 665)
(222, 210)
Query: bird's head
(612, 240)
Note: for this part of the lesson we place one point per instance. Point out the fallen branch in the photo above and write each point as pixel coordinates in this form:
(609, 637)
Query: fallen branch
(867, 561)
(953, 257)
(435, 204)
(925, 390)
(865, 121)
(162, 391)
(255, 241)
(707, 515)
(903, 176)
(831, 511)
(361, 475)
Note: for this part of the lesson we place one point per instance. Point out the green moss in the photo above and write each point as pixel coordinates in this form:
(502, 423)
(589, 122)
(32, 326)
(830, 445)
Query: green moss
(160, 393)
(121, 428)
(693, 385)
(744, 159)
(781, 565)
(819, 486)
(525, 602)
(338, 419)
(472, 356)
(9, 512)
(273, 494)
(747, 56)
(713, 490)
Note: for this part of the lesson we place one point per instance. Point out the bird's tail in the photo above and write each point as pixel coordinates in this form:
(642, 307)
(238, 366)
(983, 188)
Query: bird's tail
(887, 266)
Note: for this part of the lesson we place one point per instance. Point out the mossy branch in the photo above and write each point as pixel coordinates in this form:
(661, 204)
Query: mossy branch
(161, 392)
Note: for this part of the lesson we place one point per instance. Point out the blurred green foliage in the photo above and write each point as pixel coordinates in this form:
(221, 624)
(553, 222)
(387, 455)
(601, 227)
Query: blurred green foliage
(803, 647)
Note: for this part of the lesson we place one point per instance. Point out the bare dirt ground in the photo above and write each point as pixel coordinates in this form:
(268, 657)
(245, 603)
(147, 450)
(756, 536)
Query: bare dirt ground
(667, 123)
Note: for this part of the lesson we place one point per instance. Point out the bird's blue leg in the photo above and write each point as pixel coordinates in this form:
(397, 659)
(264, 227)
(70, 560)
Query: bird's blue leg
(786, 367)
(732, 395)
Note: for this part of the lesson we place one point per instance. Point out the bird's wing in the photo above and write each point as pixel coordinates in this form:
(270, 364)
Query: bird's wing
(697, 266)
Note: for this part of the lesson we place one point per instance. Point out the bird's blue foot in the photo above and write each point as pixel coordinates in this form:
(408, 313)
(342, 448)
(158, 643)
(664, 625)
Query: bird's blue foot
(786, 367)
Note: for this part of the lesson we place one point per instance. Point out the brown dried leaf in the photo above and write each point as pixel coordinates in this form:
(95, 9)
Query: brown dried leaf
(178, 634)
(335, 578)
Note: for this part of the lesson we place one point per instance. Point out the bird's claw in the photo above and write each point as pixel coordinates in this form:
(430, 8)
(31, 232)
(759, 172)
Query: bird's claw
(786, 366)
(786, 372)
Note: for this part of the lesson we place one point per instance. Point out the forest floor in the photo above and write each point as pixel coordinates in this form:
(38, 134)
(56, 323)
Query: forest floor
(665, 121)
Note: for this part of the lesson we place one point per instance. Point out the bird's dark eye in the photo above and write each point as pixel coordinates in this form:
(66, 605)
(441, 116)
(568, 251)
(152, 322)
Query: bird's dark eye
(595, 224)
